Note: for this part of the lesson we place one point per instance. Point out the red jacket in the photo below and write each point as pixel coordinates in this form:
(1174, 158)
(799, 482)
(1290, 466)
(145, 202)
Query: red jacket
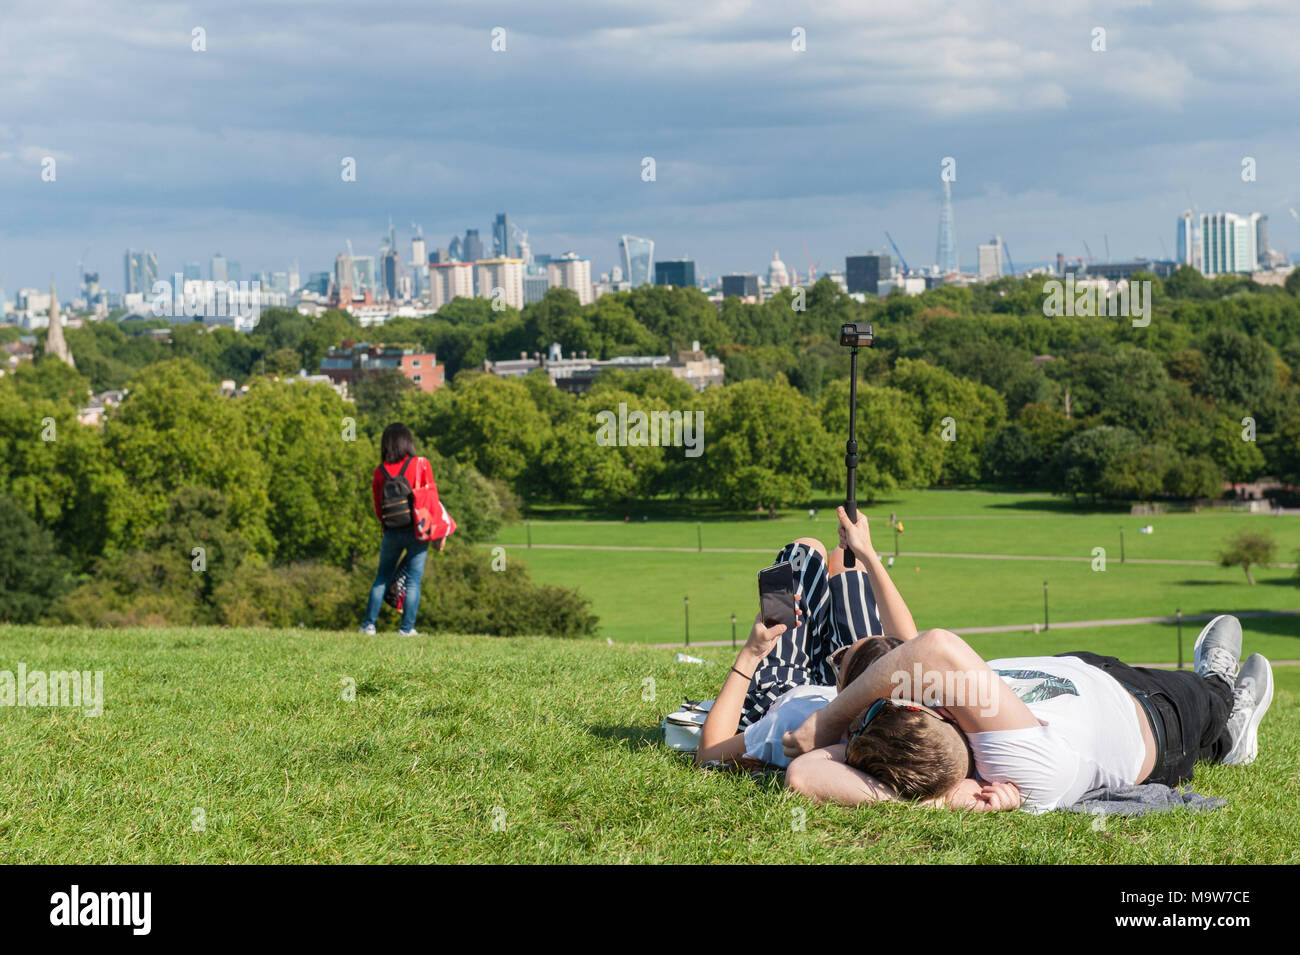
(419, 474)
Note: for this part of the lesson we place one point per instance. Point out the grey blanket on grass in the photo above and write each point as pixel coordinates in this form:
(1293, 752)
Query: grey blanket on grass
(1139, 800)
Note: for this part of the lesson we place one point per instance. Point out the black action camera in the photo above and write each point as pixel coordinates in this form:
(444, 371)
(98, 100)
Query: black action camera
(856, 335)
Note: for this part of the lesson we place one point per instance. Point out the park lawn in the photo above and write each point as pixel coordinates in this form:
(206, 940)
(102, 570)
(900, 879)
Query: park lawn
(476, 749)
(639, 594)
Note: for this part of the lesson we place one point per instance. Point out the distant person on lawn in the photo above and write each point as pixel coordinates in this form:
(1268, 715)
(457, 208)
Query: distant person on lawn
(399, 462)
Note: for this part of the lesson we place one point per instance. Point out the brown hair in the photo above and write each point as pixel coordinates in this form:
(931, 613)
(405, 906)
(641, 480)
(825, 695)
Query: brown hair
(916, 754)
(871, 650)
(397, 442)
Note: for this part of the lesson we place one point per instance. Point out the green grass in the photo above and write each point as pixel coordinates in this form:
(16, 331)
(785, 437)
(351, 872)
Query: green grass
(251, 727)
(638, 595)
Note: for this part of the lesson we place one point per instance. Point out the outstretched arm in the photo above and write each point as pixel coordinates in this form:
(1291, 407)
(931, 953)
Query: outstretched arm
(718, 737)
(895, 618)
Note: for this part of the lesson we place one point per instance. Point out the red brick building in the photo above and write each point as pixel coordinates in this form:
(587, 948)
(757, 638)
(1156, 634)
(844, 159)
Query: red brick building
(349, 362)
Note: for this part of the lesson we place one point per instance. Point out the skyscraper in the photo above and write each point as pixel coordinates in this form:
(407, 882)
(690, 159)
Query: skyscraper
(419, 265)
(990, 259)
(1186, 239)
(472, 246)
(141, 271)
(1228, 243)
(448, 281)
(392, 269)
(864, 273)
(740, 285)
(192, 272)
(217, 271)
(946, 257)
(1261, 241)
(679, 273)
(638, 259)
(501, 236)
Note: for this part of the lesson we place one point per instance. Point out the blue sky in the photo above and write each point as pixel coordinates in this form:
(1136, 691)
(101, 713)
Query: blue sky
(757, 147)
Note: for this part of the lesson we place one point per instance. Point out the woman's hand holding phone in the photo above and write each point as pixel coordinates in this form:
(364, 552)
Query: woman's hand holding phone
(856, 537)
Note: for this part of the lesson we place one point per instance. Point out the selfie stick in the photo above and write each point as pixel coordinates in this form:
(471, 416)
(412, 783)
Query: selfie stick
(851, 453)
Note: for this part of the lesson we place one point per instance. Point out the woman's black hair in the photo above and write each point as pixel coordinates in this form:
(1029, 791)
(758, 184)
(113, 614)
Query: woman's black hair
(397, 442)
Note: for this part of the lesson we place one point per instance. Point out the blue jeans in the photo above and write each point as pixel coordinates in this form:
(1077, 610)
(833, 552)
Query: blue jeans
(390, 551)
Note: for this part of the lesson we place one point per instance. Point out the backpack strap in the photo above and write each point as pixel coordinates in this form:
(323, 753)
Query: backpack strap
(405, 464)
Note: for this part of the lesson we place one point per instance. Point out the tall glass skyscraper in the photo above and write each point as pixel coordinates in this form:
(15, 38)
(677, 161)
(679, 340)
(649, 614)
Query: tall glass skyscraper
(141, 268)
(638, 260)
(946, 257)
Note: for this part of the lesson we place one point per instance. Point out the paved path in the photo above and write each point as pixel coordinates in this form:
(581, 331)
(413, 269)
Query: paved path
(1071, 625)
(902, 554)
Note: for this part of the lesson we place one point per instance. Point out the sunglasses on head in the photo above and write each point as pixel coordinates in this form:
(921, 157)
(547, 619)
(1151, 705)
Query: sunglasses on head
(876, 708)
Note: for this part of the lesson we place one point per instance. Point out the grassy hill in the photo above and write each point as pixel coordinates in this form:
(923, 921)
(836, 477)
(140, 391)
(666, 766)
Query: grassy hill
(472, 749)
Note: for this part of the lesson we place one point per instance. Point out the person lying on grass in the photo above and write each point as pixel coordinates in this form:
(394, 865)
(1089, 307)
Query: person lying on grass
(932, 721)
(780, 678)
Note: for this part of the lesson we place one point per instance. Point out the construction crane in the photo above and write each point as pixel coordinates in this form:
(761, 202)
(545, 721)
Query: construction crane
(902, 261)
(1010, 265)
(812, 269)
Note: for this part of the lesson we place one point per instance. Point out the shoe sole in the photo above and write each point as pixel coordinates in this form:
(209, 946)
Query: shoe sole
(1200, 642)
(1251, 736)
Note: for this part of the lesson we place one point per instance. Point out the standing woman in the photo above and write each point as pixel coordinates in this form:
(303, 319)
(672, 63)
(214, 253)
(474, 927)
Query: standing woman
(399, 463)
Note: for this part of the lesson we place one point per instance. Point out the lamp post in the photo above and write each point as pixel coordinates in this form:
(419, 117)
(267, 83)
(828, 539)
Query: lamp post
(1046, 624)
(699, 535)
(686, 606)
(1121, 545)
(733, 631)
(1179, 611)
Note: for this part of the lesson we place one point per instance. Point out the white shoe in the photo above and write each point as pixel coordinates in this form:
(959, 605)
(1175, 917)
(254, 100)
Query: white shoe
(1253, 694)
(368, 631)
(408, 633)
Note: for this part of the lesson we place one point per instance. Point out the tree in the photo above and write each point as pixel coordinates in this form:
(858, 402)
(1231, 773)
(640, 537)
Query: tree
(1292, 283)
(491, 423)
(378, 396)
(1238, 369)
(32, 574)
(1246, 549)
(892, 451)
(1012, 457)
(174, 430)
(765, 446)
(959, 416)
(284, 362)
(319, 486)
(1081, 464)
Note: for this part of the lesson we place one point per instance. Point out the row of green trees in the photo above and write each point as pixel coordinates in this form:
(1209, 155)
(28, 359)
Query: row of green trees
(189, 507)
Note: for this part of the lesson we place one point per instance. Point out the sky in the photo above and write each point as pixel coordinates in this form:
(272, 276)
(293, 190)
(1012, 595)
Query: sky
(757, 146)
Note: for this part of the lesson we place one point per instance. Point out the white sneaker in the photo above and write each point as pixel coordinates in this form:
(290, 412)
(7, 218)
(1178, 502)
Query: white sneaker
(1250, 700)
(1218, 649)
(368, 631)
(408, 633)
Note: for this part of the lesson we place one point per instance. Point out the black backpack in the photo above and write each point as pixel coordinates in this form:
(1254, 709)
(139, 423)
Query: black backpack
(395, 501)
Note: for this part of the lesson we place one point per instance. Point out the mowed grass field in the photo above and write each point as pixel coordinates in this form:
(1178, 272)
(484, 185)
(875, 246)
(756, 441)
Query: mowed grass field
(476, 749)
(638, 593)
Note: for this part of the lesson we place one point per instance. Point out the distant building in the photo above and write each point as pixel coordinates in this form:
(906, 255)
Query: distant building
(141, 271)
(504, 274)
(576, 373)
(1187, 246)
(349, 364)
(535, 287)
(471, 246)
(573, 272)
(448, 281)
(217, 270)
(743, 286)
(990, 259)
(638, 259)
(864, 273)
(392, 269)
(777, 274)
(909, 285)
(679, 273)
(501, 237)
(1115, 271)
(1228, 243)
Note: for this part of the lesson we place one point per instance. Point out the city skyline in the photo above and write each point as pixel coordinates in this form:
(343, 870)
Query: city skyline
(1055, 144)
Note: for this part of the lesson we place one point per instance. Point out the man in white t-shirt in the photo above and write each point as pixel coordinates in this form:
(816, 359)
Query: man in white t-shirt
(933, 721)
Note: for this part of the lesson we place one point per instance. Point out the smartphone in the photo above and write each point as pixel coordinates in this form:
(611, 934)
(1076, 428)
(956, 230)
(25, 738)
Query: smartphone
(776, 594)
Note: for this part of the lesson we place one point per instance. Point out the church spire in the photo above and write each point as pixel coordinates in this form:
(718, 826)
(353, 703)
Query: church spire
(54, 341)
